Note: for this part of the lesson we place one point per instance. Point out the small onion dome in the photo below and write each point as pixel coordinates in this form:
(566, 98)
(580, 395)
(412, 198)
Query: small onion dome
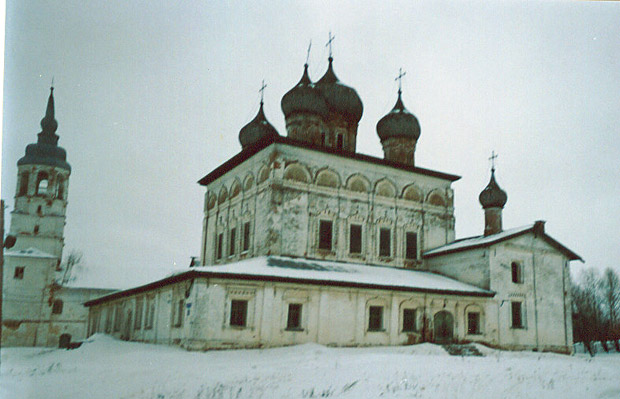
(398, 123)
(257, 130)
(492, 196)
(304, 97)
(48, 123)
(341, 99)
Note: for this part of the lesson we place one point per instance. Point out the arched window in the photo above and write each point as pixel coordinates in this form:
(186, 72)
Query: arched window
(57, 307)
(42, 182)
(60, 188)
(23, 184)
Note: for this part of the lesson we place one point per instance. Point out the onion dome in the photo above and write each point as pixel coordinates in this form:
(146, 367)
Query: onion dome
(257, 130)
(304, 97)
(341, 99)
(46, 151)
(398, 123)
(493, 196)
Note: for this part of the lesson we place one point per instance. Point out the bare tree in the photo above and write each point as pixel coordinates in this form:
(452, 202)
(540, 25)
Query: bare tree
(71, 261)
(610, 292)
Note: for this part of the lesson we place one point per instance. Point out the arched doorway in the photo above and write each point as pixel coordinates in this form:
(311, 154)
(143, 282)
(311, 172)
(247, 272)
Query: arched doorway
(443, 327)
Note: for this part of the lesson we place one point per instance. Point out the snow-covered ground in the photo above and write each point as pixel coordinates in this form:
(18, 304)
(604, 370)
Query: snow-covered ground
(107, 368)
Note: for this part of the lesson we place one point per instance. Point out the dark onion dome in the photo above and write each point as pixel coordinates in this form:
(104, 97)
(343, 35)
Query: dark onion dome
(304, 97)
(492, 196)
(341, 99)
(257, 130)
(46, 150)
(398, 123)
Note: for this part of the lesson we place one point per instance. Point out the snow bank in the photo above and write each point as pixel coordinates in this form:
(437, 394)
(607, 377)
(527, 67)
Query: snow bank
(106, 368)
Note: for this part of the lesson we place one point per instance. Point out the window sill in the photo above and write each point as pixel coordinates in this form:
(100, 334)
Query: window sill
(518, 327)
(376, 330)
(238, 327)
(294, 329)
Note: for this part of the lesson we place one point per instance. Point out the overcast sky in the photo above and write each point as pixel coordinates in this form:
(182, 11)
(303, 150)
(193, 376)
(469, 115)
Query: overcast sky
(150, 97)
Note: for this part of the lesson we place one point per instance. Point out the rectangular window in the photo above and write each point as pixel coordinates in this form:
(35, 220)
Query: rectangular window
(150, 313)
(220, 246)
(325, 235)
(23, 186)
(178, 312)
(57, 306)
(385, 242)
(294, 316)
(517, 276)
(108, 319)
(238, 313)
(233, 239)
(411, 245)
(355, 239)
(473, 323)
(138, 320)
(409, 320)
(19, 273)
(246, 236)
(117, 319)
(517, 320)
(375, 318)
(340, 142)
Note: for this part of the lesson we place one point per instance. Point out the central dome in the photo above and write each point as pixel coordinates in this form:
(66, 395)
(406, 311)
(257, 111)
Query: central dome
(304, 98)
(341, 99)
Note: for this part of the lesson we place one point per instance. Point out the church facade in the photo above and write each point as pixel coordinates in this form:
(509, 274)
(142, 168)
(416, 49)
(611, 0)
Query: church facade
(37, 309)
(306, 240)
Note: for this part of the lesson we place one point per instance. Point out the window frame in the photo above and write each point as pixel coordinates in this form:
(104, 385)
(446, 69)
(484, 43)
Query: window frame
(413, 319)
(57, 306)
(360, 238)
(178, 307)
(294, 321)
(219, 246)
(415, 245)
(382, 252)
(514, 310)
(137, 323)
(375, 323)
(238, 313)
(19, 272)
(478, 323)
(232, 237)
(321, 242)
(246, 237)
(516, 272)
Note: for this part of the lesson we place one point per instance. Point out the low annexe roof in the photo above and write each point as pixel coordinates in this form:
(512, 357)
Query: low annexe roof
(467, 244)
(316, 272)
(249, 151)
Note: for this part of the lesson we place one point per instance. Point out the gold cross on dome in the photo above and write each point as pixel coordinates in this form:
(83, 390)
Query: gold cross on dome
(262, 91)
(329, 43)
(492, 158)
(400, 78)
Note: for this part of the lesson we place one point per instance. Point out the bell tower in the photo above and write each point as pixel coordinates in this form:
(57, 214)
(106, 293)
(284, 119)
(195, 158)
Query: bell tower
(38, 218)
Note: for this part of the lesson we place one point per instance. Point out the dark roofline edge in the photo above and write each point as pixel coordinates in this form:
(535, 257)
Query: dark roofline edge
(249, 151)
(550, 240)
(249, 277)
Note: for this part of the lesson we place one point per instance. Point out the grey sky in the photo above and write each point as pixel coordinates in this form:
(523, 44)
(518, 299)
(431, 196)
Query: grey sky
(150, 97)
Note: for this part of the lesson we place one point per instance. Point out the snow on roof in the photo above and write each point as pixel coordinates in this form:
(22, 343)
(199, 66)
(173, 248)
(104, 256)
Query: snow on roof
(342, 272)
(478, 241)
(317, 272)
(30, 253)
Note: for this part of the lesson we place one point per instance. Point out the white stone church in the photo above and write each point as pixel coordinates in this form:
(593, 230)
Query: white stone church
(306, 240)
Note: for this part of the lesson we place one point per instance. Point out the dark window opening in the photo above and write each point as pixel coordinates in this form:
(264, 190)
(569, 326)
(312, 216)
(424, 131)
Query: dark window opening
(19, 273)
(220, 246)
(385, 242)
(23, 184)
(36, 229)
(294, 316)
(516, 273)
(323, 138)
(60, 189)
(375, 318)
(178, 313)
(246, 236)
(411, 244)
(150, 313)
(340, 142)
(238, 313)
(138, 320)
(473, 323)
(409, 316)
(39, 210)
(117, 319)
(325, 235)
(517, 321)
(57, 307)
(355, 239)
(233, 239)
